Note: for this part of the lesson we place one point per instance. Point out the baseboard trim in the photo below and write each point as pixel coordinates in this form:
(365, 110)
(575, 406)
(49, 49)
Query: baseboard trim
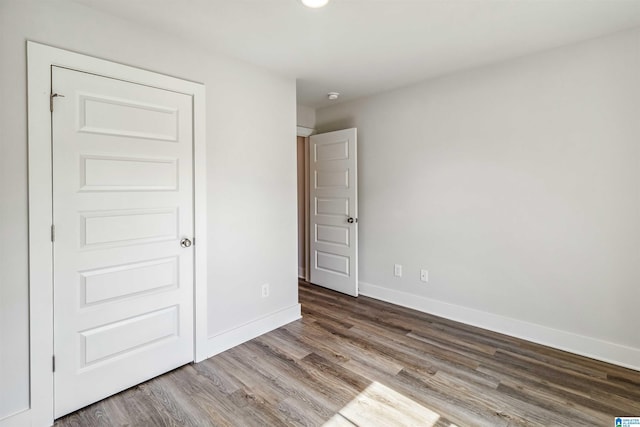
(605, 351)
(19, 419)
(228, 339)
(301, 273)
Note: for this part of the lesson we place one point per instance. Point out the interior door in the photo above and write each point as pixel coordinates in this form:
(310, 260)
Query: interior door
(333, 213)
(123, 217)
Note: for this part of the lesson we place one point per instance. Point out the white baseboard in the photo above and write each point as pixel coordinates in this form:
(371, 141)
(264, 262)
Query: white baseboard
(215, 344)
(236, 336)
(301, 273)
(594, 348)
(20, 419)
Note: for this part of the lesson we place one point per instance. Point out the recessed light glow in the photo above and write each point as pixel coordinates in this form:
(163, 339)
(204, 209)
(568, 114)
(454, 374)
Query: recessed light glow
(315, 3)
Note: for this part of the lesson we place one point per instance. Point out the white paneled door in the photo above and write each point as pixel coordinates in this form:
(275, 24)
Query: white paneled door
(123, 218)
(333, 217)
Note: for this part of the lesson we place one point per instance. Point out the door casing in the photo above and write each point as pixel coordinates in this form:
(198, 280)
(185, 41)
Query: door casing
(40, 59)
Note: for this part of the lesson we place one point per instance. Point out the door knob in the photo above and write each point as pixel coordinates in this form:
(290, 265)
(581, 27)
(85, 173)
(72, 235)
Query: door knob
(185, 243)
(351, 220)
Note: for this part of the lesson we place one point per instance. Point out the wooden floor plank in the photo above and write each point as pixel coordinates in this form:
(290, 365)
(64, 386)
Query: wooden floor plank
(361, 362)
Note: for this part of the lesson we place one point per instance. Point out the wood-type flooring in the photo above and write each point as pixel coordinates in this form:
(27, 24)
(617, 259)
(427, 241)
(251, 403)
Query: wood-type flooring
(362, 362)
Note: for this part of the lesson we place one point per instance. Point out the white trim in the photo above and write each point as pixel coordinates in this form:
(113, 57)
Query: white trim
(40, 58)
(19, 419)
(301, 273)
(236, 336)
(40, 248)
(307, 261)
(303, 131)
(594, 348)
(200, 222)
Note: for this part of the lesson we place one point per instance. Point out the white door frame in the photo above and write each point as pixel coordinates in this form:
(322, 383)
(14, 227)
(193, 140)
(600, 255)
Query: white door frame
(40, 58)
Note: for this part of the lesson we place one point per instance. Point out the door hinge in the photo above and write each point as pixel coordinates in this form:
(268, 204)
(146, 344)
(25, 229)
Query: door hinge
(53, 363)
(53, 233)
(53, 95)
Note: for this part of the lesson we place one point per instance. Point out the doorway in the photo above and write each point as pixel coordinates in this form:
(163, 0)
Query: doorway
(303, 203)
(328, 210)
(96, 227)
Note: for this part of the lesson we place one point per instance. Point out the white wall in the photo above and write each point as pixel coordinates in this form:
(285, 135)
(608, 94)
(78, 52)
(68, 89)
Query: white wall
(517, 186)
(251, 160)
(306, 116)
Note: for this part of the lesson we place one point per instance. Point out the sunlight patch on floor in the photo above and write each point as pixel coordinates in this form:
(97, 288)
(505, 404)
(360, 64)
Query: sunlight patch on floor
(378, 405)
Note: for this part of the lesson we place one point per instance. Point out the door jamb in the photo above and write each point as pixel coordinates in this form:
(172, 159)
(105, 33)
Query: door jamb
(307, 235)
(306, 132)
(40, 58)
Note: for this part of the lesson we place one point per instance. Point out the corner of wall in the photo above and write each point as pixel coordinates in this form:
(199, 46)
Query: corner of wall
(236, 336)
(604, 351)
(306, 116)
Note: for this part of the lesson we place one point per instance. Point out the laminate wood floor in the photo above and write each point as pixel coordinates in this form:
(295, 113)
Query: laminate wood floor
(362, 362)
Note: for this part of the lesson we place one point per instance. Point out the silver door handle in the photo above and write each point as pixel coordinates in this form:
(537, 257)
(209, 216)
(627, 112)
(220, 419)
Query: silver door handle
(351, 220)
(185, 243)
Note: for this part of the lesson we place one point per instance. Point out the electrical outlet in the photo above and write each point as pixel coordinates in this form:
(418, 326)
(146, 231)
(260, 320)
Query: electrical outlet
(265, 290)
(424, 275)
(397, 270)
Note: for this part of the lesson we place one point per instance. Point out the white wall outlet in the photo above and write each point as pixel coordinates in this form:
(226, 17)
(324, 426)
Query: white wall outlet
(265, 290)
(424, 275)
(397, 270)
